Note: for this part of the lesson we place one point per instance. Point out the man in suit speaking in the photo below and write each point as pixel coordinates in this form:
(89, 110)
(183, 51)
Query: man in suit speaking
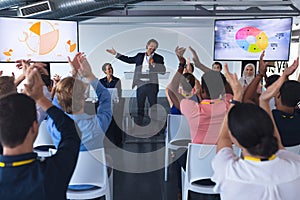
(147, 66)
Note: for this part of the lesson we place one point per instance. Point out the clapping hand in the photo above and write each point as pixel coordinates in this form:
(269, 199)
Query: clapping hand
(233, 81)
(34, 85)
(85, 69)
(291, 69)
(262, 65)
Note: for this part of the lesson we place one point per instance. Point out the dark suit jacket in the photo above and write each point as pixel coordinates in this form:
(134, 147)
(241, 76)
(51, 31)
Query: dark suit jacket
(138, 60)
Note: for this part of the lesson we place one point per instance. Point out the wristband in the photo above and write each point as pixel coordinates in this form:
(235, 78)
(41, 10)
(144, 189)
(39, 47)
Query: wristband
(234, 102)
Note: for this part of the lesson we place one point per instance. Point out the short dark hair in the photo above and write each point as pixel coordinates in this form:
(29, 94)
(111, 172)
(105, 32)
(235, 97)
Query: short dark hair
(154, 41)
(253, 128)
(7, 85)
(290, 93)
(213, 82)
(271, 79)
(218, 63)
(104, 66)
(18, 112)
(187, 81)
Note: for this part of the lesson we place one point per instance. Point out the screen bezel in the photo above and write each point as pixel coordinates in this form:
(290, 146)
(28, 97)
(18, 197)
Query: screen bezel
(46, 61)
(240, 19)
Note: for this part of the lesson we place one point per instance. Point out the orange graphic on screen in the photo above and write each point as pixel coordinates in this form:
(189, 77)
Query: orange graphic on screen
(8, 53)
(71, 46)
(41, 38)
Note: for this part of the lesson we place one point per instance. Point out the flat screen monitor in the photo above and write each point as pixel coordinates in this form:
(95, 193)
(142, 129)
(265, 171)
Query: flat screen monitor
(245, 39)
(37, 39)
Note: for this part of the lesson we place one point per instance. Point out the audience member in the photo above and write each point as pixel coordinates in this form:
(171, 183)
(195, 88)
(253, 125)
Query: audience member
(23, 175)
(147, 67)
(191, 92)
(205, 118)
(248, 75)
(285, 116)
(266, 170)
(217, 66)
(70, 97)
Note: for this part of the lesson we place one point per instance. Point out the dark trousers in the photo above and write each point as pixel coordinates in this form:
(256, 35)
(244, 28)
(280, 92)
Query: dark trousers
(149, 91)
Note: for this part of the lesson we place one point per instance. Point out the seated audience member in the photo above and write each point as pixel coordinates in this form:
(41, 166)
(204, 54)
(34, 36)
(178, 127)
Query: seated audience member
(114, 132)
(23, 175)
(253, 91)
(205, 118)
(217, 66)
(248, 75)
(191, 92)
(251, 94)
(285, 116)
(70, 97)
(266, 170)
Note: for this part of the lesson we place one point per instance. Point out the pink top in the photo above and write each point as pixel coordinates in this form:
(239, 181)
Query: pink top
(205, 118)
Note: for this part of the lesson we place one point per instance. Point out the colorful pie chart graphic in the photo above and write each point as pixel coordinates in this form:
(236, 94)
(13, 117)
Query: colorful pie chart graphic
(252, 39)
(42, 37)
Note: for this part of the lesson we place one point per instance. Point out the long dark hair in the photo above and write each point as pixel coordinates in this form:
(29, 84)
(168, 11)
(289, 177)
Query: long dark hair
(253, 128)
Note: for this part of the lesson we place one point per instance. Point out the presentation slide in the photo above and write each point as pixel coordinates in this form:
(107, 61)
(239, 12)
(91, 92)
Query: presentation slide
(38, 40)
(245, 39)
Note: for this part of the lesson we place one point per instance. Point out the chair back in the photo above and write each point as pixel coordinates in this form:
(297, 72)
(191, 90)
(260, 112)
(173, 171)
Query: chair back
(178, 130)
(90, 169)
(43, 138)
(199, 158)
(295, 149)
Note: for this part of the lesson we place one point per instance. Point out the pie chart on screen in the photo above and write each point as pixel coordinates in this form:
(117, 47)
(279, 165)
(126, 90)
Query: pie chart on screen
(252, 39)
(42, 37)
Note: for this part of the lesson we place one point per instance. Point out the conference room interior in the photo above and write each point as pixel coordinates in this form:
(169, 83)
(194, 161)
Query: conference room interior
(139, 162)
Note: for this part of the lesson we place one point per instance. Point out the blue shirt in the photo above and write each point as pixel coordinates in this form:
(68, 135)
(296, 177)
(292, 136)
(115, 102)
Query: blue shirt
(92, 127)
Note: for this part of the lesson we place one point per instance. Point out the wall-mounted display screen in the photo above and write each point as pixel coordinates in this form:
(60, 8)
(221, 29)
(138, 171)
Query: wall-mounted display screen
(37, 39)
(245, 39)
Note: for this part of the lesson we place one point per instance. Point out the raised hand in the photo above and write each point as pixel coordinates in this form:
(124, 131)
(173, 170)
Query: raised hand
(74, 64)
(112, 51)
(27, 65)
(56, 78)
(291, 69)
(85, 69)
(34, 85)
(262, 65)
(195, 56)
(180, 51)
(233, 81)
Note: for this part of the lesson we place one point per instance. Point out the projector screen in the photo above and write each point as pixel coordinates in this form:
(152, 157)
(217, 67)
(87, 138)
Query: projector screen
(37, 39)
(245, 39)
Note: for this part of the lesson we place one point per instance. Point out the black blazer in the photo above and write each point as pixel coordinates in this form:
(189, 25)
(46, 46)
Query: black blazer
(138, 60)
